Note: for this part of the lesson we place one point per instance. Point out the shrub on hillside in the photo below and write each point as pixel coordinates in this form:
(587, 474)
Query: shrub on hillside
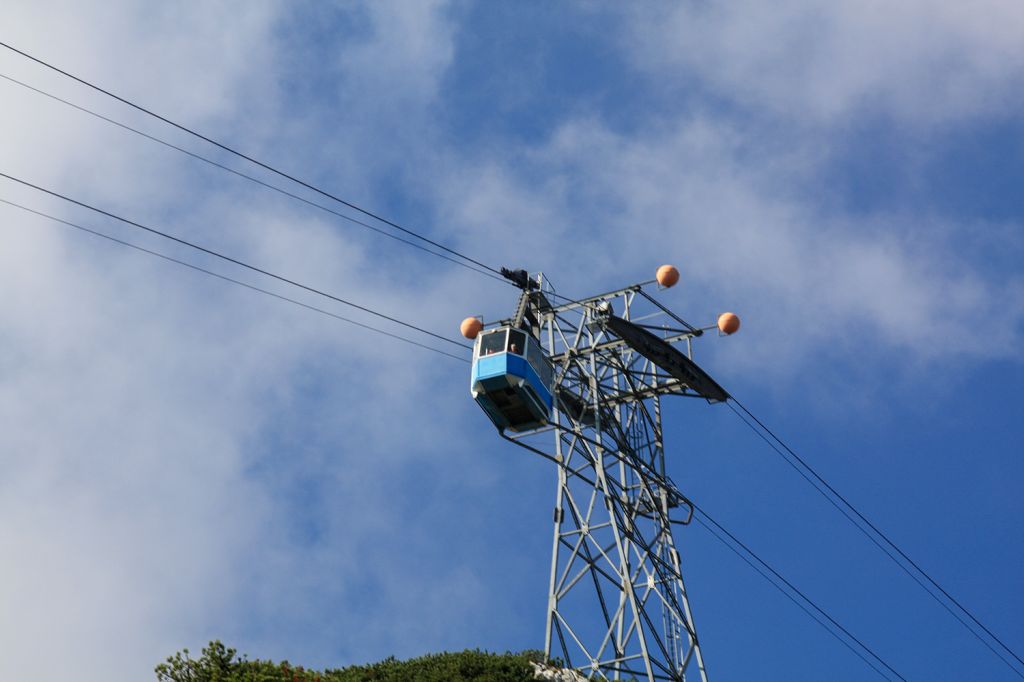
(218, 663)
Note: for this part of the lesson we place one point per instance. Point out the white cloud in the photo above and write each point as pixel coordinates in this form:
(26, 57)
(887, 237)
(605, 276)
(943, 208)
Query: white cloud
(828, 62)
(164, 477)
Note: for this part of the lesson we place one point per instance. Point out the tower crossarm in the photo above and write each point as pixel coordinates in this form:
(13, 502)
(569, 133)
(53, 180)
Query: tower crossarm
(586, 351)
(590, 300)
(670, 387)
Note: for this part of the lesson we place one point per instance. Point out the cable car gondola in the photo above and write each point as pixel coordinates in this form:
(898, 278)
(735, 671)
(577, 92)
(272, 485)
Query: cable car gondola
(511, 379)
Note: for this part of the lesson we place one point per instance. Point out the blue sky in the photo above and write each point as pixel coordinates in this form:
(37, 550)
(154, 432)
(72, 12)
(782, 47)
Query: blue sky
(184, 460)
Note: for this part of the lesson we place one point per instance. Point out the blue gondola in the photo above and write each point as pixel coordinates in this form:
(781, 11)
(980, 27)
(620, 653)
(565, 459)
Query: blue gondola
(511, 379)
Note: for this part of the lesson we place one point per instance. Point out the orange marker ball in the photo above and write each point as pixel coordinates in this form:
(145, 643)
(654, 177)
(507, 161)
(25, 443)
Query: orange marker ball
(728, 323)
(470, 327)
(667, 276)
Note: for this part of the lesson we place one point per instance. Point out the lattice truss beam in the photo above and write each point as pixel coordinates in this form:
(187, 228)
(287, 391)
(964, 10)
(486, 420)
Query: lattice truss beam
(617, 604)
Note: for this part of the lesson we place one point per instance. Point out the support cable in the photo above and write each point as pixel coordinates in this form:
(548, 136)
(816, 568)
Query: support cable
(225, 278)
(248, 158)
(248, 177)
(671, 486)
(785, 449)
(745, 548)
(643, 470)
(234, 261)
(789, 596)
(790, 585)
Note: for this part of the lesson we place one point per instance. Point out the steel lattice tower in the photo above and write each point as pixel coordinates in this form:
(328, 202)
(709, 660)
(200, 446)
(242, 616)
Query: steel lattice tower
(617, 604)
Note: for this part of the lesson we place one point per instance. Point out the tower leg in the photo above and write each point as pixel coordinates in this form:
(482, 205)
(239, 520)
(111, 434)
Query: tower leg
(617, 604)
